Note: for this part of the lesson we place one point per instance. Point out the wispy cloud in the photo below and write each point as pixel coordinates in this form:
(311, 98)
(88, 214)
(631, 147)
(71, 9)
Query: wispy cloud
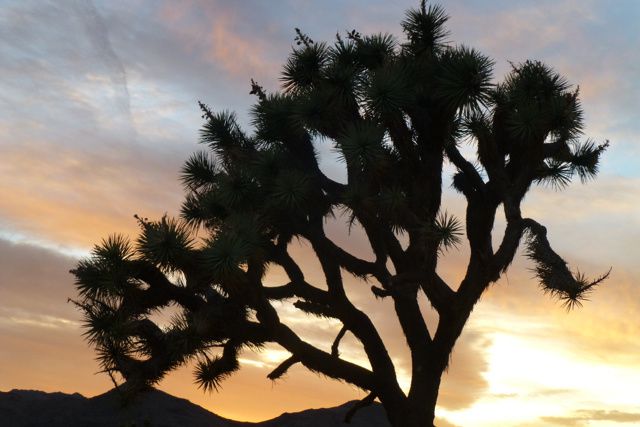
(587, 416)
(12, 317)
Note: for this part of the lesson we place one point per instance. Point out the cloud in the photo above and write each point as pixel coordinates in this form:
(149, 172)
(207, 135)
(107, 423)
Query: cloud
(587, 416)
(35, 285)
(616, 416)
(13, 317)
(42, 347)
(76, 198)
(443, 422)
(564, 421)
(231, 39)
(464, 382)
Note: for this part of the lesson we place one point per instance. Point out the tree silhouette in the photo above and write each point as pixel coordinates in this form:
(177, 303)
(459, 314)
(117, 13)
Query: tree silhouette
(393, 112)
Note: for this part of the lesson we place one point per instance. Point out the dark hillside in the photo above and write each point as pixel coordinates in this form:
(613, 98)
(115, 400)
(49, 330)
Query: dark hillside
(28, 408)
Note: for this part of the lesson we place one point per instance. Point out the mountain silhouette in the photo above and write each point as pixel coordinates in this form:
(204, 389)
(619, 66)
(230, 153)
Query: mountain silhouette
(29, 408)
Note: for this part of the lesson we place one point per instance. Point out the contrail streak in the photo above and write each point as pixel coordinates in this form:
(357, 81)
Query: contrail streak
(98, 35)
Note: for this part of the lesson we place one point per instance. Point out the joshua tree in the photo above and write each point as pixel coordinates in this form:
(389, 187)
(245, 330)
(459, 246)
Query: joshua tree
(394, 112)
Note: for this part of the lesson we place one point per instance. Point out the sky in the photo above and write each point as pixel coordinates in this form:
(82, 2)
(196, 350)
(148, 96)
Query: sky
(98, 111)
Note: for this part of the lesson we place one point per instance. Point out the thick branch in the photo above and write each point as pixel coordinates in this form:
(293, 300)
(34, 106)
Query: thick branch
(438, 292)
(355, 320)
(402, 139)
(282, 368)
(351, 263)
(367, 401)
(465, 167)
(320, 361)
(161, 290)
(336, 343)
(507, 249)
(297, 289)
(552, 149)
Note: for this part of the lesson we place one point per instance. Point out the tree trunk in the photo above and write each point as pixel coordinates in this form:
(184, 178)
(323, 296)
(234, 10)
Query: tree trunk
(416, 411)
(418, 416)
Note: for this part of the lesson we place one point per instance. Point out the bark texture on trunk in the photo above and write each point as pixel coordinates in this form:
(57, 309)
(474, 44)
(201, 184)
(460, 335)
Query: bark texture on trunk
(416, 410)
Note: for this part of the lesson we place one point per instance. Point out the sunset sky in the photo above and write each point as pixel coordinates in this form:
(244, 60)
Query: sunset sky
(98, 111)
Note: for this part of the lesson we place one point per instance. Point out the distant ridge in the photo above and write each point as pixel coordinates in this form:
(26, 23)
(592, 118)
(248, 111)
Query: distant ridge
(30, 408)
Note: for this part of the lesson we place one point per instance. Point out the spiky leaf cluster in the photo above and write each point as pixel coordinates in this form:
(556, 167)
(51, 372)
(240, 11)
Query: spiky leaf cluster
(121, 287)
(530, 126)
(447, 230)
(210, 371)
(552, 271)
(425, 29)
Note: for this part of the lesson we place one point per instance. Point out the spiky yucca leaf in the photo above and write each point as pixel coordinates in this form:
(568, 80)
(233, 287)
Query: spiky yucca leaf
(192, 211)
(534, 81)
(304, 67)
(563, 154)
(425, 29)
(566, 116)
(273, 118)
(317, 110)
(375, 50)
(221, 132)
(202, 209)
(111, 354)
(210, 372)
(361, 146)
(291, 192)
(552, 271)
(555, 173)
(268, 163)
(224, 255)
(464, 79)
(539, 102)
(392, 202)
(585, 158)
(527, 122)
(237, 191)
(392, 199)
(181, 337)
(90, 279)
(477, 126)
(580, 292)
(343, 84)
(199, 171)
(105, 274)
(250, 229)
(447, 229)
(387, 91)
(166, 243)
(356, 198)
(113, 250)
(103, 322)
(343, 53)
